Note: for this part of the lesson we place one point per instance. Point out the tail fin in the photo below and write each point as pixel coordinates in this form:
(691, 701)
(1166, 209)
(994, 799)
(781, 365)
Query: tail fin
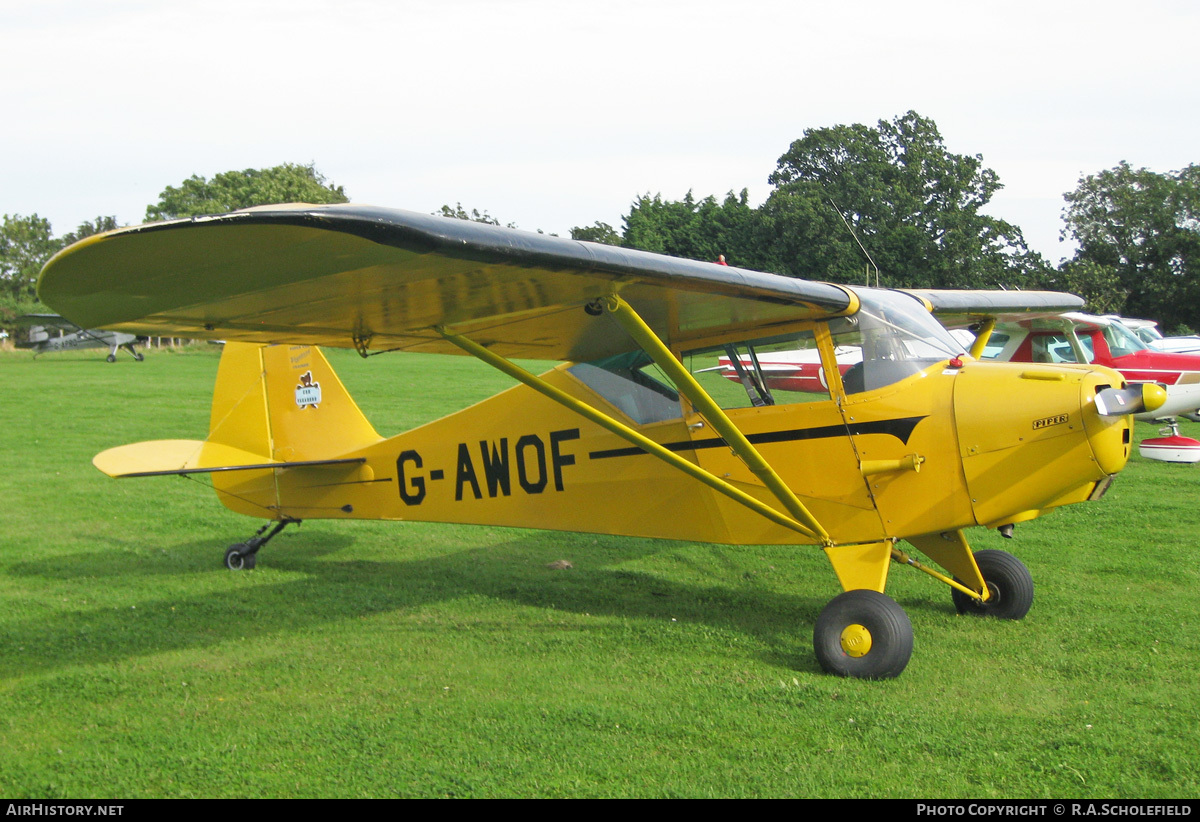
(286, 403)
(274, 406)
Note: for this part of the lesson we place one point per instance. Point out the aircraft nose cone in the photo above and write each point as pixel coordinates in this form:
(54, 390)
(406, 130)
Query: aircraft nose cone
(1114, 402)
(1153, 396)
(1107, 415)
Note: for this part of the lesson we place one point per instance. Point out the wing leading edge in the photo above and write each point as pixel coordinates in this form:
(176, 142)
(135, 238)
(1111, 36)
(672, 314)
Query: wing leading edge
(957, 309)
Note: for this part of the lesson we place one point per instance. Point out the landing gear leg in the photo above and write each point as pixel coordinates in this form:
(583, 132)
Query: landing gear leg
(243, 556)
(139, 357)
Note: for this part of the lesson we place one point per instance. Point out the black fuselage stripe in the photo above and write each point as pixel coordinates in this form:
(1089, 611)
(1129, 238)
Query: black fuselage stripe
(901, 429)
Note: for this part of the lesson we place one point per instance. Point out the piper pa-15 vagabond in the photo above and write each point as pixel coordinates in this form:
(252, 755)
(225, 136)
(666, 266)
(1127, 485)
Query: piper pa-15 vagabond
(636, 432)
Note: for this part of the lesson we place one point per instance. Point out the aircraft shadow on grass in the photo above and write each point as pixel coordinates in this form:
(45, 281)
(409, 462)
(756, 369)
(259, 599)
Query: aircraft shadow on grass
(513, 571)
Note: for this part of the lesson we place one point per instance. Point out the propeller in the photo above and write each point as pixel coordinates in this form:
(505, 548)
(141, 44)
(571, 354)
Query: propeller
(1139, 397)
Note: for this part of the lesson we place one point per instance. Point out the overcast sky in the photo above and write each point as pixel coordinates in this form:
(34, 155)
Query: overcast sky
(557, 114)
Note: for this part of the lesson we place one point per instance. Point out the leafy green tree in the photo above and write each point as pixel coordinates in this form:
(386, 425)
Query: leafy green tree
(598, 232)
(697, 229)
(913, 205)
(88, 228)
(1099, 285)
(848, 195)
(231, 190)
(1144, 227)
(25, 246)
(475, 216)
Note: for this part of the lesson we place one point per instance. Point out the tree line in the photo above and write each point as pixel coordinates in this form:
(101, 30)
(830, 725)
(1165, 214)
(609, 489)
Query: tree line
(27, 243)
(886, 204)
(889, 204)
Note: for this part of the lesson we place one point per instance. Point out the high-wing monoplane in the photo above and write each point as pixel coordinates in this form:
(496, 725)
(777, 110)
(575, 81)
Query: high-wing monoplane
(51, 332)
(636, 432)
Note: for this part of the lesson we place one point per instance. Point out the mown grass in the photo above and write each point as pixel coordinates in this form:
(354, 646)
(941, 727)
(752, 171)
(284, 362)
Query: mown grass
(374, 659)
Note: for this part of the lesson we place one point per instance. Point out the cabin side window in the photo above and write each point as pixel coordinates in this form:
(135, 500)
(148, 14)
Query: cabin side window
(995, 345)
(769, 371)
(630, 382)
(1051, 348)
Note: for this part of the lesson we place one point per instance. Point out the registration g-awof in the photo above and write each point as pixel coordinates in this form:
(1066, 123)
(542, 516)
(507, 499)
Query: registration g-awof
(638, 430)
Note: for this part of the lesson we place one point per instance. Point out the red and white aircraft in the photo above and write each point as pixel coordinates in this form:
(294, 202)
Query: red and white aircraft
(1084, 338)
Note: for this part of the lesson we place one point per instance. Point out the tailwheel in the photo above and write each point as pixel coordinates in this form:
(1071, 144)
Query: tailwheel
(864, 634)
(239, 558)
(1009, 583)
(242, 556)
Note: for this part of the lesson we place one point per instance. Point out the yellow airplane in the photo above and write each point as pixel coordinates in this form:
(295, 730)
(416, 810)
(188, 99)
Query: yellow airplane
(638, 431)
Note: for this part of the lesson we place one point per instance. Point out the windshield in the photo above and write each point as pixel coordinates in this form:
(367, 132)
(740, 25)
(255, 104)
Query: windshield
(897, 337)
(1122, 341)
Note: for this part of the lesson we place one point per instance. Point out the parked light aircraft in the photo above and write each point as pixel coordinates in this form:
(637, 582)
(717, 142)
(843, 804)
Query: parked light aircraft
(1111, 341)
(636, 432)
(70, 336)
(1084, 338)
(1147, 331)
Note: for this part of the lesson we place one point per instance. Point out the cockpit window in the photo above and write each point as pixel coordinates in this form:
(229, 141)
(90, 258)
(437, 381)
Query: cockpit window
(1148, 334)
(1052, 348)
(896, 338)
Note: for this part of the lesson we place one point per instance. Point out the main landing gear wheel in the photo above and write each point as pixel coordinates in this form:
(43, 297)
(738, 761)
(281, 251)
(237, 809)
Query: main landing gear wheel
(238, 559)
(1008, 581)
(863, 634)
(111, 358)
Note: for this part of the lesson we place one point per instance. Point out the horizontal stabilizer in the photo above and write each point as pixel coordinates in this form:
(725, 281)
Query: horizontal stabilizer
(164, 457)
(45, 321)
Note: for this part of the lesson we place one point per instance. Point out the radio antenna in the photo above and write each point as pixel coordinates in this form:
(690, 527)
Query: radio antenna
(861, 247)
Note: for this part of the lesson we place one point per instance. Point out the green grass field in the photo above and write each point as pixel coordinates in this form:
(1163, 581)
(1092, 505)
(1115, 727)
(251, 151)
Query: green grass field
(412, 660)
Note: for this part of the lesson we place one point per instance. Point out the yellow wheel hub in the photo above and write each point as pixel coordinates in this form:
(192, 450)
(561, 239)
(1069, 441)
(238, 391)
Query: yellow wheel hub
(856, 640)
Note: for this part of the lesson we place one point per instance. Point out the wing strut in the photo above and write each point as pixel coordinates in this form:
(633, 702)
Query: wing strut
(708, 408)
(981, 338)
(625, 432)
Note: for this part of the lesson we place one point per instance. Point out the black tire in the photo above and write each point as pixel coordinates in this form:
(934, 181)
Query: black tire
(110, 358)
(1010, 584)
(863, 634)
(139, 357)
(235, 560)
